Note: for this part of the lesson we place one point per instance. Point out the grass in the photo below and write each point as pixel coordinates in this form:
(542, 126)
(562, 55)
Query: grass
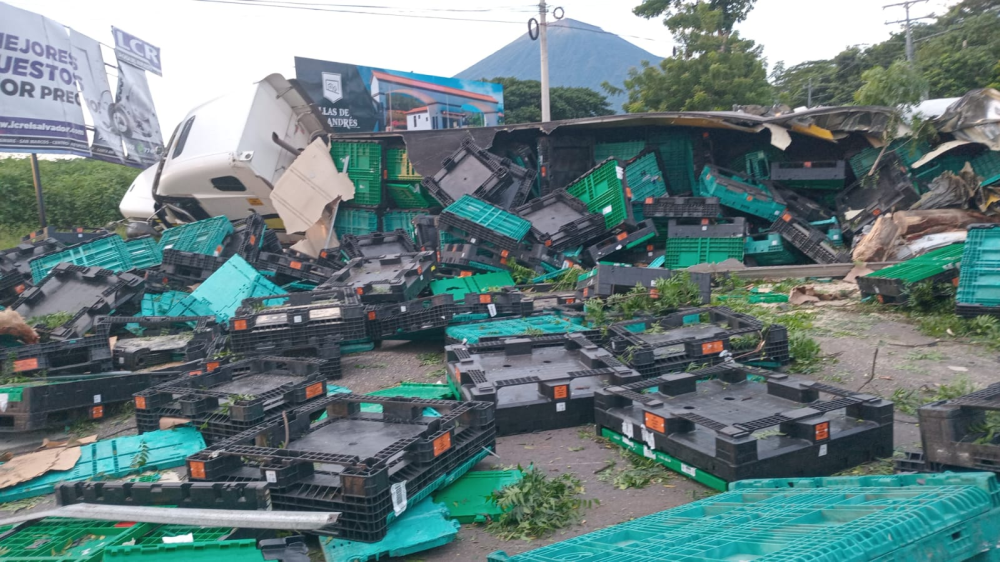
(371, 366)
(538, 505)
(430, 359)
(10, 235)
(638, 472)
(925, 356)
(908, 400)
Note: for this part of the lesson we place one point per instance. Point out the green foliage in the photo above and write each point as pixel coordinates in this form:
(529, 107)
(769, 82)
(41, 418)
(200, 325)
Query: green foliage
(538, 505)
(520, 274)
(429, 359)
(523, 101)
(806, 352)
(712, 69)
(639, 472)
(899, 85)
(141, 458)
(78, 192)
(50, 321)
(566, 281)
(908, 400)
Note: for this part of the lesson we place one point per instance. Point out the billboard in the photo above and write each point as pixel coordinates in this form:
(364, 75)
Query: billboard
(355, 98)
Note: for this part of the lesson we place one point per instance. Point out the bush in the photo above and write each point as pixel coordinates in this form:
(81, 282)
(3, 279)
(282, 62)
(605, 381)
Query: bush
(78, 191)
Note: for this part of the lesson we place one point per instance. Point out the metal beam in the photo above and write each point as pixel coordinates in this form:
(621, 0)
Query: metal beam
(290, 520)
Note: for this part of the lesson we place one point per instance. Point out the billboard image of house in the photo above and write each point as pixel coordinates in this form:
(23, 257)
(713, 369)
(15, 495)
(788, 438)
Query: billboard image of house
(356, 98)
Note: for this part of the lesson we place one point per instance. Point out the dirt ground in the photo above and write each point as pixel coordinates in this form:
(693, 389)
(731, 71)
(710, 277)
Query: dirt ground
(849, 335)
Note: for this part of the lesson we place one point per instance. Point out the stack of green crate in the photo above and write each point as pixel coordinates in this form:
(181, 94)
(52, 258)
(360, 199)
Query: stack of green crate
(355, 221)
(403, 182)
(769, 249)
(685, 252)
(644, 179)
(908, 150)
(363, 161)
(394, 219)
(677, 153)
(987, 165)
(621, 150)
(602, 190)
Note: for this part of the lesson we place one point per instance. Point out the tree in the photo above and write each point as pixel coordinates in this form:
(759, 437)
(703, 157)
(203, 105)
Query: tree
(712, 69)
(522, 101)
(898, 85)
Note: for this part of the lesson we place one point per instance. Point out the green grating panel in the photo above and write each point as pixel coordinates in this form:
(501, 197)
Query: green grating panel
(109, 252)
(467, 499)
(987, 165)
(770, 249)
(244, 550)
(410, 196)
(398, 166)
(423, 526)
(490, 217)
(548, 324)
(982, 246)
(645, 179)
(482, 283)
(361, 158)
(67, 540)
(223, 292)
(908, 150)
(979, 286)
(925, 266)
(200, 534)
(601, 189)
(685, 252)
(620, 150)
(677, 154)
(738, 194)
(202, 237)
(355, 221)
(144, 252)
(401, 220)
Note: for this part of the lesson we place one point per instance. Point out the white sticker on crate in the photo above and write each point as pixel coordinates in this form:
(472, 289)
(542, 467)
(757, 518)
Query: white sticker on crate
(647, 437)
(3, 402)
(398, 491)
(627, 429)
(402, 308)
(97, 399)
(560, 406)
(607, 210)
(121, 360)
(822, 450)
(620, 172)
(648, 453)
(689, 470)
(271, 476)
(492, 308)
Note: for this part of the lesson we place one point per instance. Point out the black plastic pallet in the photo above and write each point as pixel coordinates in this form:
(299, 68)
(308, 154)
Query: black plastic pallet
(620, 241)
(234, 397)
(896, 290)
(559, 220)
(188, 268)
(809, 171)
(955, 433)
(202, 342)
(472, 256)
(270, 242)
(89, 354)
(607, 280)
(809, 240)
(721, 422)
(19, 256)
(65, 399)
(469, 171)
(536, 387)
(295, 268)
(681, 207)
(426, 227)
(654, 346)
(396, 320)
(365, 466)
(69, 237)
(515, 195)
(508, 302)
(247, 238)
(377, 244)
(386, 279)
(86, 292)
(869, 197)
(243, 496)
(803, 207)
(967, 310)
(707, 228)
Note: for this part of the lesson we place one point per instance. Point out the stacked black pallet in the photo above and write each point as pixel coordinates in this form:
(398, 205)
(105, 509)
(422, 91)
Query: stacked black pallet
(312, 324)
(535, 385)
(233, 397)
(722, 424)
(376, 244)
(681, 207)
(410, 318)
(177, 338)
(508, 302)
(606, 280)
(621, 239)
(470, 170)
(809, 240)
(386, 279)
(288, 268)
(889, 188)
(956, 434)
(15, 271)
(365, 466)
(561, 221)
(189, 268)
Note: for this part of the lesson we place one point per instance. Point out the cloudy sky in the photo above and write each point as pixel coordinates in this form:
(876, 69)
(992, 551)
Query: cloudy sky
(210, 47)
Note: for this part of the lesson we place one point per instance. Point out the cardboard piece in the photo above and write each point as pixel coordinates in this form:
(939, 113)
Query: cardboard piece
(71, 442)
(320, 235)
(32, 465)
(170, 423)
(311, 183)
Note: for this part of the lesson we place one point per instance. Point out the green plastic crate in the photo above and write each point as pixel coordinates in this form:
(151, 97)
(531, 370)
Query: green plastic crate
(602, 190)
(979, 280)
(756, 200)
(402, 220)
(398, 166)
(67, 540)
(923, 267)
(677, 154)
(685, 252)
(364, 167)
(109, 252)
(907, 149)
(987, 165)
(769, 250)
(482, 283)
(620, 150)
(546, 324)
(244, 550)
(202, 237)
(489, 217)
(144, 252)
(410, 196)
(423, 526)
(467, 499)
(355, 221)
(928, 172)
(645, 179)
(982, 247)
(200, 534)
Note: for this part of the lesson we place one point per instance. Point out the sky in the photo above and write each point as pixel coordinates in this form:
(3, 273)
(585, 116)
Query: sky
(210, 48)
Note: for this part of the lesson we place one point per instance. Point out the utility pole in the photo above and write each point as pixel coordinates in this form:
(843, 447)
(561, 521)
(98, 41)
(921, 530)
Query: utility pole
(909, 32)
(543, 43)
(36, 178)
(809, 94)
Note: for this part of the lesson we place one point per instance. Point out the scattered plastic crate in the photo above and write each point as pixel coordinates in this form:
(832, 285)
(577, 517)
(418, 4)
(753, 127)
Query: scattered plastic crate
(107, 252)
(955, 434)
(144, 252)
(398, 166)
(471, 256)
(978, 289)
(907, 150)
(561, 221)
(388, 278)
(215, 551)
(685, 252)
(482, 283)
(768, 249)
(366, 466)
(179, 268)
(233, 397)
(424, 526)
(409, 196)
(808, 240)
(500, 329)
(377, 244)
(116, 458)
(932, 517)
(245, 496)
(536, 387)
(203, 237)
(860, 203)
(467, 499)
(681, 207)
(604, 193)
(741, 193)
(288, 268)
(182, 339)
(892, 283)
(987, 165)
(469, 171)
(355, 221)
(606, 280)
(707, 228)
(655, 346)
(513, 195)
(73, 235)
(718, 424)
(43, 403)
(411, 318)
(676, 151)
(484, 221)
(404, 220)
(625, 150)
(626, 239)
(363, 163)
(644, 177)
(827, 174)
(492, 305)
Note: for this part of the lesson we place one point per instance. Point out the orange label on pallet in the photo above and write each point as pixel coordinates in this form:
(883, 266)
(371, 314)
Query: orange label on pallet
(560, 392)
(822, 431)
(212, 365)
(585, 291)
(295, 265)
(464, 274)
(628, 192)
(655, 422)
(314, 390)
(787, 217)
(20, 288)
(548, 243)
(97, 412)
(196, 469)
(712, 347)
(649, 200)
(654, 294)
(485, 299)
(359, 291)
(442, 444)
(239, 325)
(877, 212)
(25, 364)
(371, 315)
(140, 402)
(194, 373)
(622, 236)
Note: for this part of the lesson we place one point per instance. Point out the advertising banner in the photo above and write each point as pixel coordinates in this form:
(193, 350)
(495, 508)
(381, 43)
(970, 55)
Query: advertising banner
(92, 79)
(129, 49)
(355, 98)
(134, 117)
(39, 104)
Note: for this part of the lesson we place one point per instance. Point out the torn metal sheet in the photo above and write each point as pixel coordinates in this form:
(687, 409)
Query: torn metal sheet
(975, 117)
(310, 184)
(938, 151)
(780, 138)
(279, 520)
